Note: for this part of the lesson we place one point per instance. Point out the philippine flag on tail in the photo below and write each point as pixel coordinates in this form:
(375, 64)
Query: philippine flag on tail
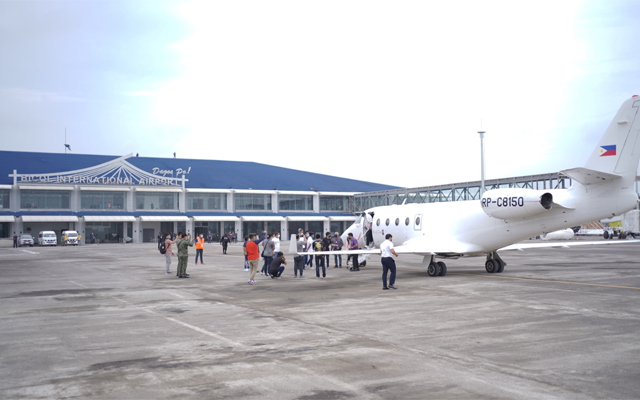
(608, 150)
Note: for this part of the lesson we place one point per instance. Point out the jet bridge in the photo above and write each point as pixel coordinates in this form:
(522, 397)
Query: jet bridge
(455, 191)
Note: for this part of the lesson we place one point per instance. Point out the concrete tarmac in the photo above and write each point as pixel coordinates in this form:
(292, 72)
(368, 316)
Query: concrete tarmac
(105, 322)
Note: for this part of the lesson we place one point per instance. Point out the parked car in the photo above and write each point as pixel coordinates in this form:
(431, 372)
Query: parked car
(25, 240)
(47, 238)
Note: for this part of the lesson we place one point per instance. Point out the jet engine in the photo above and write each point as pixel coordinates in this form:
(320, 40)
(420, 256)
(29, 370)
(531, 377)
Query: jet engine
(515, 203)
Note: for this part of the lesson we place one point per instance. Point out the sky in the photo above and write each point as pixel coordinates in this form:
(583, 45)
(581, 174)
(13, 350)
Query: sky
(391, 92)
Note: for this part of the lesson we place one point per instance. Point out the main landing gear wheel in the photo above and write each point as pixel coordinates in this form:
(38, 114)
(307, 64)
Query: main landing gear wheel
(501, 265)
(492, 266)
(443, 268)
(434, 269)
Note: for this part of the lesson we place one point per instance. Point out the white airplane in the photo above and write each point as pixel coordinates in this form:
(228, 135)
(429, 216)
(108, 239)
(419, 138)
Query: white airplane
(603, 188)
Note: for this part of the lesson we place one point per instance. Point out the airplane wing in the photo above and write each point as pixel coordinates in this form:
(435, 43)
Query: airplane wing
(565, 244)
(339, 252)
(423, 245)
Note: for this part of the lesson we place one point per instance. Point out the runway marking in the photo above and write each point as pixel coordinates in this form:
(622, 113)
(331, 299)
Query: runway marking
(30, 252)
(192, 327)
(548, 281)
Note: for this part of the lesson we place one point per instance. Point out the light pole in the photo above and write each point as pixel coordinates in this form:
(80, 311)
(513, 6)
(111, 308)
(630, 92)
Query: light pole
(481, 133)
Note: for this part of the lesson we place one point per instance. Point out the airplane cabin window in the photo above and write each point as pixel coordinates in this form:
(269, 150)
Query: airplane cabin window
(417, 221)
(387, 222)
(406, 221)
(378, 222)
(397, 221)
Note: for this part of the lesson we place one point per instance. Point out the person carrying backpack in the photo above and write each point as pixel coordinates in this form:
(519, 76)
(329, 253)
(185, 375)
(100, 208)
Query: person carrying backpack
(165, 248)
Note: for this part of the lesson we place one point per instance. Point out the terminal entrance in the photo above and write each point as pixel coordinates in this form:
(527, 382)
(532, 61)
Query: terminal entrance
(104, 232)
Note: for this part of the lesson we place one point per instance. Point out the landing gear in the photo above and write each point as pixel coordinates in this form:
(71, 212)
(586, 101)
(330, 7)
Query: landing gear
(494, 264)
(443, 268)
(432, 267)
(491, 266)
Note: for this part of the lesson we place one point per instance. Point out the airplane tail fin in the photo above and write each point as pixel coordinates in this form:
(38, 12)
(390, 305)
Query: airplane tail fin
(618, 151)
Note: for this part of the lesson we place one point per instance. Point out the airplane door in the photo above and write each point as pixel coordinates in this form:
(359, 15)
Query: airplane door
(417, 222)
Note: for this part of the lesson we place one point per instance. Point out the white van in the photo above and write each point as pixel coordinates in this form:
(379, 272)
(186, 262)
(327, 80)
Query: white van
(47, 238)
(70, 237)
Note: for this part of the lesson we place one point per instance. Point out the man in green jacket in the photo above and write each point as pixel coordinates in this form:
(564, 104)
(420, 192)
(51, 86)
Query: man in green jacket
(183, 255)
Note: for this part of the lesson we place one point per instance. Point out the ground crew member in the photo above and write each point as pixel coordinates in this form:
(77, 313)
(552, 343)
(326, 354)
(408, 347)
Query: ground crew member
(225, 243)
(199, 248)
(183, 255)
(388, 263)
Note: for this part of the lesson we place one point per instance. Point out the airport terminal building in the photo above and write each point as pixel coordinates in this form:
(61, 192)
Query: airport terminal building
(140, 197)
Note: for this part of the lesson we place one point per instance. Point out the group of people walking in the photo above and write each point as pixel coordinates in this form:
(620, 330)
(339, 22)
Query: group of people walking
(274, 259)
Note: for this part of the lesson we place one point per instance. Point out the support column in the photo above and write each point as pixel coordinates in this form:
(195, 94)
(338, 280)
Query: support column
(125, 231)
(74, 200)
(137, 231)
(238, 226)
(231, 202)
(131, 197)
(284, 230)
(80, 228)
(189, 226)
(18, 226)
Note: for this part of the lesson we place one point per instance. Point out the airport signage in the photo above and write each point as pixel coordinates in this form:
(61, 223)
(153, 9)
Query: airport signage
(115, 172)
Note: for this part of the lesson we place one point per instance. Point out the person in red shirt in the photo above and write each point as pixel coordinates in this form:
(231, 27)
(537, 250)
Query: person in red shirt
(253, 255)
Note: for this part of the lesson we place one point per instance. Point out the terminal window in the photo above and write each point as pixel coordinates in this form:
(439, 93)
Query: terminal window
(97, 200)
(4, 199)
(207, 201)
(334, 203)
(249, 202)
(288, 202)
(44, 199)
(156, 201)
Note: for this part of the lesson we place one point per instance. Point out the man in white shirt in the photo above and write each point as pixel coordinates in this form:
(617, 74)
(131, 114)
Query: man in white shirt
(388, 263)
(309, 261)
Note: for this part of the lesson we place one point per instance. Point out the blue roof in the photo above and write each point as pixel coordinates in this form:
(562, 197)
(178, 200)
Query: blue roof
(209, 174)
